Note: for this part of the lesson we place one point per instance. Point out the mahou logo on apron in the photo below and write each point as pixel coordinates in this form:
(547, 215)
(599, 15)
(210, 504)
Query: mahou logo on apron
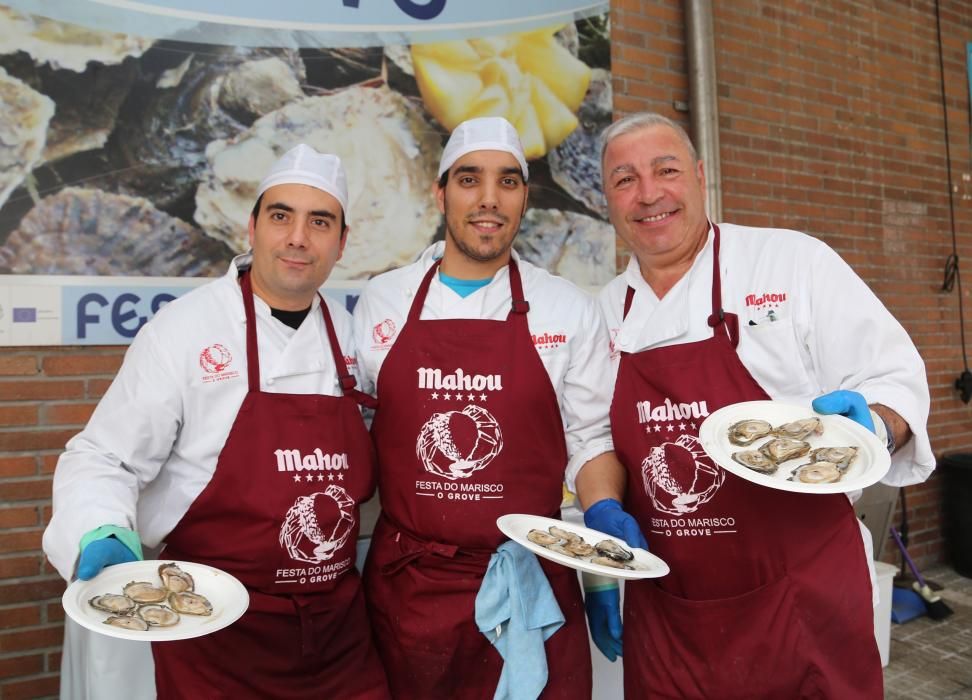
(677, 475)
(455, 444)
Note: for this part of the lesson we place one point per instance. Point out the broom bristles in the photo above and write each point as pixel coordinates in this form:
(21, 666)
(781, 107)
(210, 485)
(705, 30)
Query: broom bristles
(937, 608)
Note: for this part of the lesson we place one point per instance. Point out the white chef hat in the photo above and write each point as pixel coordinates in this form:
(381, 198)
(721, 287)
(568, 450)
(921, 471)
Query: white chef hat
(302, 165)
(483, 134)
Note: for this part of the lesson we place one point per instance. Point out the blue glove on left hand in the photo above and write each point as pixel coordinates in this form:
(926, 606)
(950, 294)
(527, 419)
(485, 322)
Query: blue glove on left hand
(101, 553)
(604, 617)
(845, 403)
(607, 516)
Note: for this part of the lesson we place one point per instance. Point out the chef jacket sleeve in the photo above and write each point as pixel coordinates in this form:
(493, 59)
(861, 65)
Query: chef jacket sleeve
(857, 344)
(122, 448)
(587, 391)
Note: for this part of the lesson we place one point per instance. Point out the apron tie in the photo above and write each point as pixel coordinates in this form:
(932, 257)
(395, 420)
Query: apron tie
(415, 548)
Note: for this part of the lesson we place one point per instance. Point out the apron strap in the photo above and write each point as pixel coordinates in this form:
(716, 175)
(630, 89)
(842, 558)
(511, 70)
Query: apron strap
(628, 298)
(345, 378)
(729, 322)
(252, 355)
(519, 307)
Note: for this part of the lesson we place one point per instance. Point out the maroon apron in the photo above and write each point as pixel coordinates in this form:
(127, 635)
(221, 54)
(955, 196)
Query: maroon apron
(467, 429)
(281, 514)
(769, 594)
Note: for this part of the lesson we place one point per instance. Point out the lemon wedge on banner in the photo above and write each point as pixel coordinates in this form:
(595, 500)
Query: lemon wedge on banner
(527, 77)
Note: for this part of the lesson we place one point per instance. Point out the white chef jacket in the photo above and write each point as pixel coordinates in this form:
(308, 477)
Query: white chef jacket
(564, 320)
(152, 444)
(808, 325)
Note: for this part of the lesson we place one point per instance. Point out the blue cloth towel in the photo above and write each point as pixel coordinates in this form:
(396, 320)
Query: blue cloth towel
(517, 611)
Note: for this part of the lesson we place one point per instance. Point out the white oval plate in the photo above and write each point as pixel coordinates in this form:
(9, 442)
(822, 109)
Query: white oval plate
(870, 465)
(516, 526)
(228, 596)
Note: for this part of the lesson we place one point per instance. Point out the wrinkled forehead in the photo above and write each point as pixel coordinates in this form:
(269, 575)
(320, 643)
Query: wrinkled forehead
(649, 145)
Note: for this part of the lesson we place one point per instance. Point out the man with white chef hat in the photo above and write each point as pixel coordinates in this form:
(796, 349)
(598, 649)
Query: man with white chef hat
(492, 379)
(232, 437)
(769, 594)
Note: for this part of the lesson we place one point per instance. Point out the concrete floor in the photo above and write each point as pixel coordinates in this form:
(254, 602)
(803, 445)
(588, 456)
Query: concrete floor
(932, 660)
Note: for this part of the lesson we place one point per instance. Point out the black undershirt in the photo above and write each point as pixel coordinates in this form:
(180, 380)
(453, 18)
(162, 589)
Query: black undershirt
(290, 318)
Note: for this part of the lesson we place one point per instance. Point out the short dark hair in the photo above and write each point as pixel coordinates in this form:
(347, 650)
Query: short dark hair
(256, 212)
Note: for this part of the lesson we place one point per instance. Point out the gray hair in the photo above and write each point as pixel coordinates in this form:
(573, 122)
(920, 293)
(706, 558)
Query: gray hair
(645, 120)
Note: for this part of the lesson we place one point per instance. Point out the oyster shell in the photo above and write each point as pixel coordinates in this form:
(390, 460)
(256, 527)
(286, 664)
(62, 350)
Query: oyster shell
(542, 538)
(841, 456)
(612, 550)
(90, 232)
(817, 473)
(113, 603)
(175, 579)
(578, 247)
(391, 154)
(560, 549)
(158, 615)
(145, 592)
(24, 117)
(755, 460)
(580, 548)
(64, 45)
(565, 535)
(575, 164)
(190, 603)
(746, 432)
(800, 429)
(784, 449)
(128, 622)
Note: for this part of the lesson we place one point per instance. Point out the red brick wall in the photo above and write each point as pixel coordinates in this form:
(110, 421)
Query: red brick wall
(831, 123)
(46, 396)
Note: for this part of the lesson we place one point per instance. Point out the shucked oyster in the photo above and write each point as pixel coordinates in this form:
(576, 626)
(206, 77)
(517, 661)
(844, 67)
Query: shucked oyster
(612, 550)
(817, 473)
(128, 622)
(158, 615)
(113, 603)
(755, 460)
(175, 579)
(145, 592)
(784, 449)
(800, 429)
(190, 603)
(841, 456)
(746, 432)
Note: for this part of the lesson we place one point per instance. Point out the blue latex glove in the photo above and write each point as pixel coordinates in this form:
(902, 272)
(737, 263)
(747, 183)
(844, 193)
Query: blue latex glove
(846, 403)
(607, 516)
(604, 618)
(101, 553)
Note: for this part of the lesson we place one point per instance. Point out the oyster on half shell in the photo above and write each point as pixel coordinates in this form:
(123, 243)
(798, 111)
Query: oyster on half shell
(746, 432)
(113, 603)
(755, 460)
(189, 603)
(784, 449)
(817, 473)
(175, 579)
(841, 456)
(158, 615)
(800, 429)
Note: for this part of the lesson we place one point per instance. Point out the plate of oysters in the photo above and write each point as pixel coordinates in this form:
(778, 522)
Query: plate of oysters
(792, 448)
(156, 601)
(580, 547)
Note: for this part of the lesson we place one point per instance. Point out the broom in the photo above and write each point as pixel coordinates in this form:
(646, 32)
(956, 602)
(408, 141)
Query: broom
(937, 609)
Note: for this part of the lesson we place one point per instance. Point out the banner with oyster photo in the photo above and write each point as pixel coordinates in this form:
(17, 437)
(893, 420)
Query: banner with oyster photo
(134, 134)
